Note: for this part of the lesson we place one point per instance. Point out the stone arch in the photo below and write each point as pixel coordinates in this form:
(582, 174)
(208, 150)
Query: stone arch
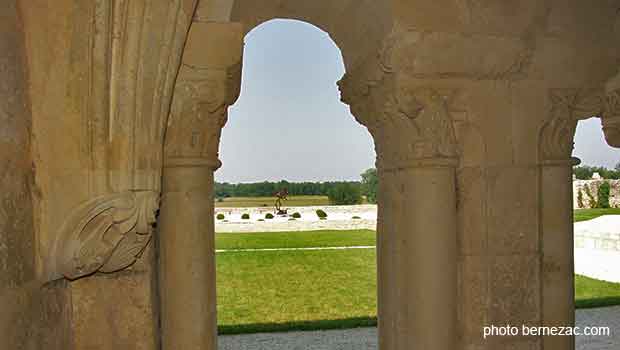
(416, 140)
(100, 92)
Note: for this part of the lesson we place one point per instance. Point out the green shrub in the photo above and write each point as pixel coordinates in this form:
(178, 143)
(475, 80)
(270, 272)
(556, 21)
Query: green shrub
(356, 218)
(591, 202)
(296, 215)
(292, 219)
(220, 199)
(269, 216)
(323, 218)
(580, 199)
(245, 216)
(321, 214)
(345, 194)
(370, 185)
(603, 195)
(260, 220)
(220, 216)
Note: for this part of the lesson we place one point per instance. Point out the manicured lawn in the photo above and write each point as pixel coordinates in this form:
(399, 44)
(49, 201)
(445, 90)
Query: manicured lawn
(253, 202)
(591, 293)
(589, 214)
(296, 290)
(269, 291)
(304, 239)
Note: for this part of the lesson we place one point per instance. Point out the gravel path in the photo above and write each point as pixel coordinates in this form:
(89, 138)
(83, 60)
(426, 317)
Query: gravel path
(366, 338)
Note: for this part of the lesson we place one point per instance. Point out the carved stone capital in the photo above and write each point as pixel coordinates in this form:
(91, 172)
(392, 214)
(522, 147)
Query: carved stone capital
(105, 234)
(568, 106)
(611, 118)
(199, 112)
(411, 125)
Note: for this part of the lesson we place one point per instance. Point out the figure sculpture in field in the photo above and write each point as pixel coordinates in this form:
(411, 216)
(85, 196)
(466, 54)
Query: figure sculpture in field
(281, 196)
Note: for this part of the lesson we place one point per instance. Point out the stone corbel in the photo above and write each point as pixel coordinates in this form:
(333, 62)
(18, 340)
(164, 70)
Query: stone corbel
(611, 119)
(106, 234)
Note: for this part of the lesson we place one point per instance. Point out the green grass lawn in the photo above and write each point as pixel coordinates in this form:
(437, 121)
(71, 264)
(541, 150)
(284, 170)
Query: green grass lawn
(589, 214)
(307, 290)
(296, 290)
(252, 202)
(591, 293)
(306, 239)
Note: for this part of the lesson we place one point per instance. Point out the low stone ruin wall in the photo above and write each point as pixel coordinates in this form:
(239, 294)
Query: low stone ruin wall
(589, 193)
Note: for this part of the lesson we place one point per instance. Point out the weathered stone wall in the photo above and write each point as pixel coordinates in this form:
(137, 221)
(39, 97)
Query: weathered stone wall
(589, 193)
(32, 316)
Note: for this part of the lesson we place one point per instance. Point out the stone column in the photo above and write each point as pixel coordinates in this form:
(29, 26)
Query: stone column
(417, 261)
(187, 256)
(558, 268)
(556, 210)
(417, 236)
(207, 84)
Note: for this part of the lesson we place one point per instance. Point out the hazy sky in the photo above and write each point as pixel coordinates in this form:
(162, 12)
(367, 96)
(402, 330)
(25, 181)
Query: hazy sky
(289, 122)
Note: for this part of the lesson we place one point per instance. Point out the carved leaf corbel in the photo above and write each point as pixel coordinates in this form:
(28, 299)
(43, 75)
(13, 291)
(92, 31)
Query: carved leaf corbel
(611, 119)
(105, 234)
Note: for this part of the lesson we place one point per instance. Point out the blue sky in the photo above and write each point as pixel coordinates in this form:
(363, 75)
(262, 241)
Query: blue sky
(289, 123)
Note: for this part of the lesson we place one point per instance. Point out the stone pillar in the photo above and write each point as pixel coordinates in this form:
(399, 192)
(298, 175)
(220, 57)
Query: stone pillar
(558, 294)
(207, 84)
(417, 261)
(556, 210)
(416, 233)
(187, 257)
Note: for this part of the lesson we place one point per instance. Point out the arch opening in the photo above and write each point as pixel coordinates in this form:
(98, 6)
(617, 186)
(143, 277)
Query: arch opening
(289, 124)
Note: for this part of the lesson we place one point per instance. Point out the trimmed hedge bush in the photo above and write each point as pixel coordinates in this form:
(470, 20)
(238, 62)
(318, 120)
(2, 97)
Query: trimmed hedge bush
(296, 215)
(603, 195)
(356, 218)
(220, 216)
(269, 216)
(321, 214)
(245, 216)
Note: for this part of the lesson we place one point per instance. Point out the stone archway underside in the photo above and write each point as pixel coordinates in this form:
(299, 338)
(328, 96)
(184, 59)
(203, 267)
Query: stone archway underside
(471, 105)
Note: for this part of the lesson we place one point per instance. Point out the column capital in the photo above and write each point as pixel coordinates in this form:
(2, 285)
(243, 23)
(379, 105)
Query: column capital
(411, 124)
(567, 107)
(209, 81)
(199, 112)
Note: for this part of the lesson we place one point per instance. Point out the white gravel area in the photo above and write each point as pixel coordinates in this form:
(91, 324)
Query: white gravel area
(597, 248)
(366, 338)
(339, 217)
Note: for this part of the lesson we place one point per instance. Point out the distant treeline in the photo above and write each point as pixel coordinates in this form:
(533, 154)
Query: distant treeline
(585, 172)
(267, 189)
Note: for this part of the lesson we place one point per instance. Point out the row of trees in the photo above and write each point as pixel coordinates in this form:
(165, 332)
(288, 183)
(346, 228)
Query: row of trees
(339, 192)
(585, 172)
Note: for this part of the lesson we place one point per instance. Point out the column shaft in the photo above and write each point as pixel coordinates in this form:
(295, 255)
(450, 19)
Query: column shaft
(557, 252)
(187, 260)
(421, 281)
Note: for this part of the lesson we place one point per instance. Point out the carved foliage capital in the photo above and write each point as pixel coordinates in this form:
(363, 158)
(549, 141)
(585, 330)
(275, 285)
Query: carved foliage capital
(199, 111)
(105, 234)
(408, 123)
(568, 106)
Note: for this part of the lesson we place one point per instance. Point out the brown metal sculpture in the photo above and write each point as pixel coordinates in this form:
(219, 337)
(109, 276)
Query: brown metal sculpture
(281, 196)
